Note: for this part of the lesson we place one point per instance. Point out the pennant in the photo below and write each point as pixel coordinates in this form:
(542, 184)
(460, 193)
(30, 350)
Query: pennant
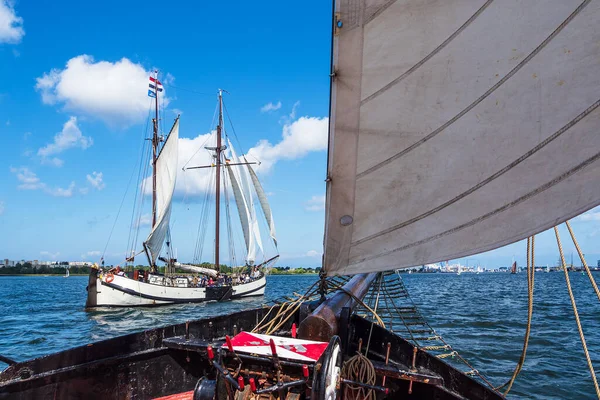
(151, 93)
(160, 89)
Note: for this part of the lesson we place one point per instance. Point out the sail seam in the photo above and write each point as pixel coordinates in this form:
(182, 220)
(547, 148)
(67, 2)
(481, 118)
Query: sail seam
(380, 10)
(482, 97)
(430, 55)
(499, 173)
(505, 207)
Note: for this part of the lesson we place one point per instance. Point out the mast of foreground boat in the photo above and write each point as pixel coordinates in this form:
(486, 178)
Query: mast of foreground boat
(218, 181)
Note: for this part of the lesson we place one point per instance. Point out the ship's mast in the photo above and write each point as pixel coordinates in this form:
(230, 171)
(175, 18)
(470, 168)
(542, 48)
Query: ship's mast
(155, 141)
(218, 151)
(154, 149)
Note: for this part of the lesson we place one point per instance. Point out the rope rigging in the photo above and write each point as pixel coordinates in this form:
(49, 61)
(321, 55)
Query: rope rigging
(576, 313)
(530, 281)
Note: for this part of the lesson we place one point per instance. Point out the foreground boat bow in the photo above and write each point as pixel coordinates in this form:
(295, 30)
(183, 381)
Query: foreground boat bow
(172, 359)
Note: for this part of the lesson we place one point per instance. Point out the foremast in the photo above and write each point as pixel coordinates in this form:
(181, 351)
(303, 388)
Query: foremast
(155, 143)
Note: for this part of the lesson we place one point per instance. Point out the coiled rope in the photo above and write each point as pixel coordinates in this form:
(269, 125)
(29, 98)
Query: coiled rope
(575, 312)
(359, 369)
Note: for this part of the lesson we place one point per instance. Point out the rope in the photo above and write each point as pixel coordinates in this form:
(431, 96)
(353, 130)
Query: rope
(576, 313)
(359, 301)
(374, 310)
(530, 282)
(285, 312)
(360, 369)
(587, 269)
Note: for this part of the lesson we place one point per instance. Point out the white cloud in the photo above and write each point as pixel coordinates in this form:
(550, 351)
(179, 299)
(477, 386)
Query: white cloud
(177, 111)
(145, 220)
(26, 135)
(294, 108)
(28, 180)
(52, 256)
(95, 179)
(54, 161)
(114, 92)
(270, 107)
(299, 138)
(191, 154)
(316, 203)
(89, 254)
(11, 25)
(2, 208)
(313, 253)
(84, 190)
(591, 215)
(61, 192)
(69, 137)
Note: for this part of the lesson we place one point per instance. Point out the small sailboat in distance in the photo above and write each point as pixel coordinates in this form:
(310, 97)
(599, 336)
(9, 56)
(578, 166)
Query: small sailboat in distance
(513, 269)
(66, 272)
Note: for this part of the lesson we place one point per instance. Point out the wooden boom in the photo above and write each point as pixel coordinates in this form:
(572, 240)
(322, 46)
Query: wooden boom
(322, 324)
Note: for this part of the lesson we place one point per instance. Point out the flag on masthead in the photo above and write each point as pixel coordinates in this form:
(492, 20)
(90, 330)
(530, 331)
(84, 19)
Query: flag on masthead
(155, 84)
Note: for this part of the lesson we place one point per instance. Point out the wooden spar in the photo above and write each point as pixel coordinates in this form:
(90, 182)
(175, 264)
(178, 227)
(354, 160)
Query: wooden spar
(322, 324)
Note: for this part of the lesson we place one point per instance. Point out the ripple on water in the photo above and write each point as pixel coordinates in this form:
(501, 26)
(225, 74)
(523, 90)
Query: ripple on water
(482, 316)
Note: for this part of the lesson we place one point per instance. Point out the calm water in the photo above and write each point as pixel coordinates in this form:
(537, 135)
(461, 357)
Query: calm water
(482, 316)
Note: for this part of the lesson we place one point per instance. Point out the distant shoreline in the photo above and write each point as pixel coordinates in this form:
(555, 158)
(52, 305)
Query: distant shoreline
(1, 275)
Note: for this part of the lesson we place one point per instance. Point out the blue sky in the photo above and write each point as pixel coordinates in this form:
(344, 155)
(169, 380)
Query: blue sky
(72, 119)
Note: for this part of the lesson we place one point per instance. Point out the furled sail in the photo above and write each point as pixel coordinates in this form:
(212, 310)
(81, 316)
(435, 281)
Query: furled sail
(264, 203)
(199, 270)
(458, 127)
(166, 174)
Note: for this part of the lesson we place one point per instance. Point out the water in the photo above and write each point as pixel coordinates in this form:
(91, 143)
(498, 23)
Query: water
(482, 316)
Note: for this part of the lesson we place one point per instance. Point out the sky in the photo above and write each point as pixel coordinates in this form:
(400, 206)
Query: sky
(74, 114)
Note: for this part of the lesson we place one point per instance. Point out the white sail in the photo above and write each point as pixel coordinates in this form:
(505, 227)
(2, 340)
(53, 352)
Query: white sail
(166, 174)
(458, 127)
(264, 203)
(194, 268)
(241, 205)
(254, 241)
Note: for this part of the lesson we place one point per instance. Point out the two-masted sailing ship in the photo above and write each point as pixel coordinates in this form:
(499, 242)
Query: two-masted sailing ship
(456, 127)
(188, 283)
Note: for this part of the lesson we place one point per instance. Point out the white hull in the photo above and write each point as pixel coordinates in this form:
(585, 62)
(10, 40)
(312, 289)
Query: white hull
(126, 292)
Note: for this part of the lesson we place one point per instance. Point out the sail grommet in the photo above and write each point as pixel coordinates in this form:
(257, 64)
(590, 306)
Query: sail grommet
(346, 220)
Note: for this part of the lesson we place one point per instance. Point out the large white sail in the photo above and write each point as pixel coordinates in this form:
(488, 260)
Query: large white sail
(166, 174)
(240, 205)
(264, 203)
(458, 127)
(253, 240)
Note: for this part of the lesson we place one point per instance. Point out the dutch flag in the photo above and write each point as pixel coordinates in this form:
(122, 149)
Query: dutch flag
(155, 84)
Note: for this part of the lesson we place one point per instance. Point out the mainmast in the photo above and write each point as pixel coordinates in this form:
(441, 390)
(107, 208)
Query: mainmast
(218, 151)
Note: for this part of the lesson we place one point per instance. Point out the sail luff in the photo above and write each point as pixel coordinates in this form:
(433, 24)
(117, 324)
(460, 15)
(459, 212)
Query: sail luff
(166, 175)
(264, 203)
(462, 138)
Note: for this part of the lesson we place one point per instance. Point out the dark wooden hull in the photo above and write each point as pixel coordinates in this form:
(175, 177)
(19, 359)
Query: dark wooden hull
(162, 361)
